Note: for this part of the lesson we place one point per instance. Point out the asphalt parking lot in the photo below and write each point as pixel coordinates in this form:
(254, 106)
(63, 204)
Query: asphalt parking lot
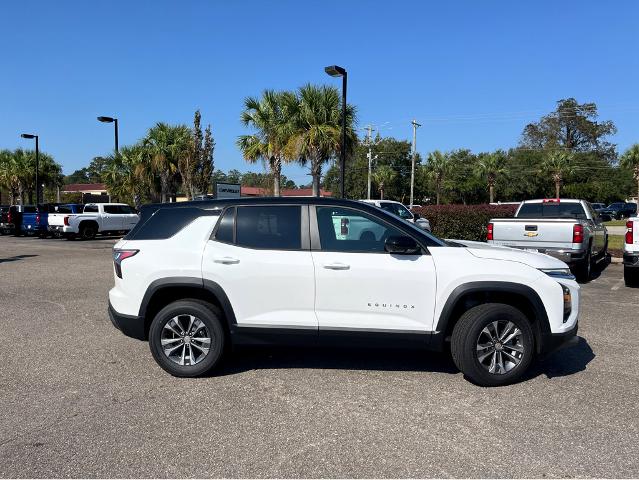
(79, 399)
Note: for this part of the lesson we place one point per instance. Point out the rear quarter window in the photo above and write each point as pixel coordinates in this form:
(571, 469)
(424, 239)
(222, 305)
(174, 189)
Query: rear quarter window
(166, 222)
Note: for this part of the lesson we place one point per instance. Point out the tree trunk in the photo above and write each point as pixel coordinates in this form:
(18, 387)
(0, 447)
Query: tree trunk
(277, 173)
(557, 188)
(491, 190)
(381, 191)
(316, 172)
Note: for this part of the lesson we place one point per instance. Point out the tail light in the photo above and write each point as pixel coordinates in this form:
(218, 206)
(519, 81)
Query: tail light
(552, 200)
(9, 218)
(629, 232)
(38, 219)
(118, 256)
(489, 235)
(66, 221)
(577, 233)
(344, 226)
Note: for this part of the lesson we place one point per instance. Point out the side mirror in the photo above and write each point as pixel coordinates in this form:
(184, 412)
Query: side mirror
(401, 245)
(604, 217)
(416, 216)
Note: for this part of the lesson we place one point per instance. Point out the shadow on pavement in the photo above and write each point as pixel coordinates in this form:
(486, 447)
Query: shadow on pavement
(564, 362)
(337, 359)
(16, 258)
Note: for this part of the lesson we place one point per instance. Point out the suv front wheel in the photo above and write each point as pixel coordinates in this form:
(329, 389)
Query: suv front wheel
(492, 344)
(186, 338)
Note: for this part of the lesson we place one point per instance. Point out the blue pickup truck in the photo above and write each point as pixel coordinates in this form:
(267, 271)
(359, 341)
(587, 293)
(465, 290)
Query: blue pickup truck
(36, 221)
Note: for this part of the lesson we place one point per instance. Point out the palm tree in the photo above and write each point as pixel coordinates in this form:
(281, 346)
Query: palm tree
(5, 172)
(269, 118)
(315, 132)
(382, 176)
(490, 166)
(558, 164)
(439, 166)
(167, 145)
(126, 174)
(630, 159)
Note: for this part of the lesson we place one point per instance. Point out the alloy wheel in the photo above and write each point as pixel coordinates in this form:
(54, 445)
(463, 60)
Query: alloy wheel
(500, 347)
(185, 340)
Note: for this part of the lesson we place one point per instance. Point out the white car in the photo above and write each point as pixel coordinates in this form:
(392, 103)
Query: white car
(631, 253)
(399, 209)
(196, 278)
(104, 218)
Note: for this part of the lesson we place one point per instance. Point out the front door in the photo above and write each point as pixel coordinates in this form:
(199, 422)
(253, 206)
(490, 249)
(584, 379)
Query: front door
(258, 257)
(362, 288)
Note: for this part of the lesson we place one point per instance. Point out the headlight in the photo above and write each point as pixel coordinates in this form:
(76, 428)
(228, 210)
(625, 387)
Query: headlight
(558, 273)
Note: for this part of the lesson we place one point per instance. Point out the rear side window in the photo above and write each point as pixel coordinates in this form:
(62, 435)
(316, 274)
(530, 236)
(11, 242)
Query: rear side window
(551, 210)
(269, 227)
(90, 209)
(111, 209)
(224, 232)
(166, 222)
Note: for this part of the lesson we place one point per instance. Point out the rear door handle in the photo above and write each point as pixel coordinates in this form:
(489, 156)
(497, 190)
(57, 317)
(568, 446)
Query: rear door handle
(336, 266)
(226, 260)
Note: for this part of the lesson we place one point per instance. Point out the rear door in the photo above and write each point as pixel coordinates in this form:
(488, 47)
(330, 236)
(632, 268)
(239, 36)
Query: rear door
(260, 256)
(111, 218)
(360, 288)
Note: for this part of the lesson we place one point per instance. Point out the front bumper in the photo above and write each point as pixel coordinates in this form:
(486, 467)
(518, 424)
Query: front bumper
(551, 342)
(130, 325)
(631, 260)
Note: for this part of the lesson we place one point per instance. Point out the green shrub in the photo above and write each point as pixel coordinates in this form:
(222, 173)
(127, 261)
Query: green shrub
(463, 222)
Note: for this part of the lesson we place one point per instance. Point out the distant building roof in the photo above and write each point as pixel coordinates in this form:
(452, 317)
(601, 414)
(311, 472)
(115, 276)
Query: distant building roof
(84, 187)
(285, 192)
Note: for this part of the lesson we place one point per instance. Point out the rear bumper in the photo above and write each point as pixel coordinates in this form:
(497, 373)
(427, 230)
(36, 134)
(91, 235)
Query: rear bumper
(130, 325)
(551, 342)
(631, 260)
(565, 255)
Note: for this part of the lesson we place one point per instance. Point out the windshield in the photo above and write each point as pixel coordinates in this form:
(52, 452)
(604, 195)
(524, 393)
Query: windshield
(551, 210)
(397, 209)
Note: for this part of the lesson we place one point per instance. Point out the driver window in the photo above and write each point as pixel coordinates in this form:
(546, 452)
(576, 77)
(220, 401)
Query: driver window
(346, 230)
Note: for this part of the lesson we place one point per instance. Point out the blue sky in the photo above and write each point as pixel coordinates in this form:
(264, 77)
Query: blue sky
(472, 72)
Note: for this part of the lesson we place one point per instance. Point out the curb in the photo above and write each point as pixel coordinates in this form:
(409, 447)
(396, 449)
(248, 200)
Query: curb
(616, 260)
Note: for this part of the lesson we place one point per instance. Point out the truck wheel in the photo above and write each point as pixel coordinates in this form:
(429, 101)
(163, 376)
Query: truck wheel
(631, 276)
(88, 231)
(583, 270)
(492, 344)
(186, 338)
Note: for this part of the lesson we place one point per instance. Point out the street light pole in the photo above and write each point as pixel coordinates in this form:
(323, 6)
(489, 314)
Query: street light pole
(115, 122)
(412, 171)
(336, 71)
(37, 164)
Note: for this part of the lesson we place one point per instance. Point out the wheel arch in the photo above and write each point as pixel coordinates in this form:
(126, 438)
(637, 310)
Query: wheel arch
(167, 290)
(469, 295)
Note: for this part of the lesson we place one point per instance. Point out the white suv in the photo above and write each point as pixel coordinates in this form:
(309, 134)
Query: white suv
(197, 278)
(402, 211)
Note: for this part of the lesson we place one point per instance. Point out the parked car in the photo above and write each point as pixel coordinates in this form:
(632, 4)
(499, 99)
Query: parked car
(4, 220)
(198, 278)
(631, 253)
(56, 220)
(567, 229)
(400, 210)
(598, 207)
(14, 217)
(619, 210)
(100, 218)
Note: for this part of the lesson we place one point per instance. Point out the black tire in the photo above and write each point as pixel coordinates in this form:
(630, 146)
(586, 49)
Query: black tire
(583, 270)
(88, 231)
(212, 319)
(631, 276)
(467, 333)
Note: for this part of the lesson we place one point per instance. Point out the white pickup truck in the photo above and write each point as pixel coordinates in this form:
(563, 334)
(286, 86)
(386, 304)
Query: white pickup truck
(631, 253)
(104, 218)
(567, 229)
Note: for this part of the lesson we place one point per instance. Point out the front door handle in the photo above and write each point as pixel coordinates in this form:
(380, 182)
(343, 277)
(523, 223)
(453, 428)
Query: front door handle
(336, 266)
(226, 260)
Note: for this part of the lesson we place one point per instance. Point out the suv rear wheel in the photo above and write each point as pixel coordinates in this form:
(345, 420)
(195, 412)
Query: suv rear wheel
(492, 344)
(186, 338)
